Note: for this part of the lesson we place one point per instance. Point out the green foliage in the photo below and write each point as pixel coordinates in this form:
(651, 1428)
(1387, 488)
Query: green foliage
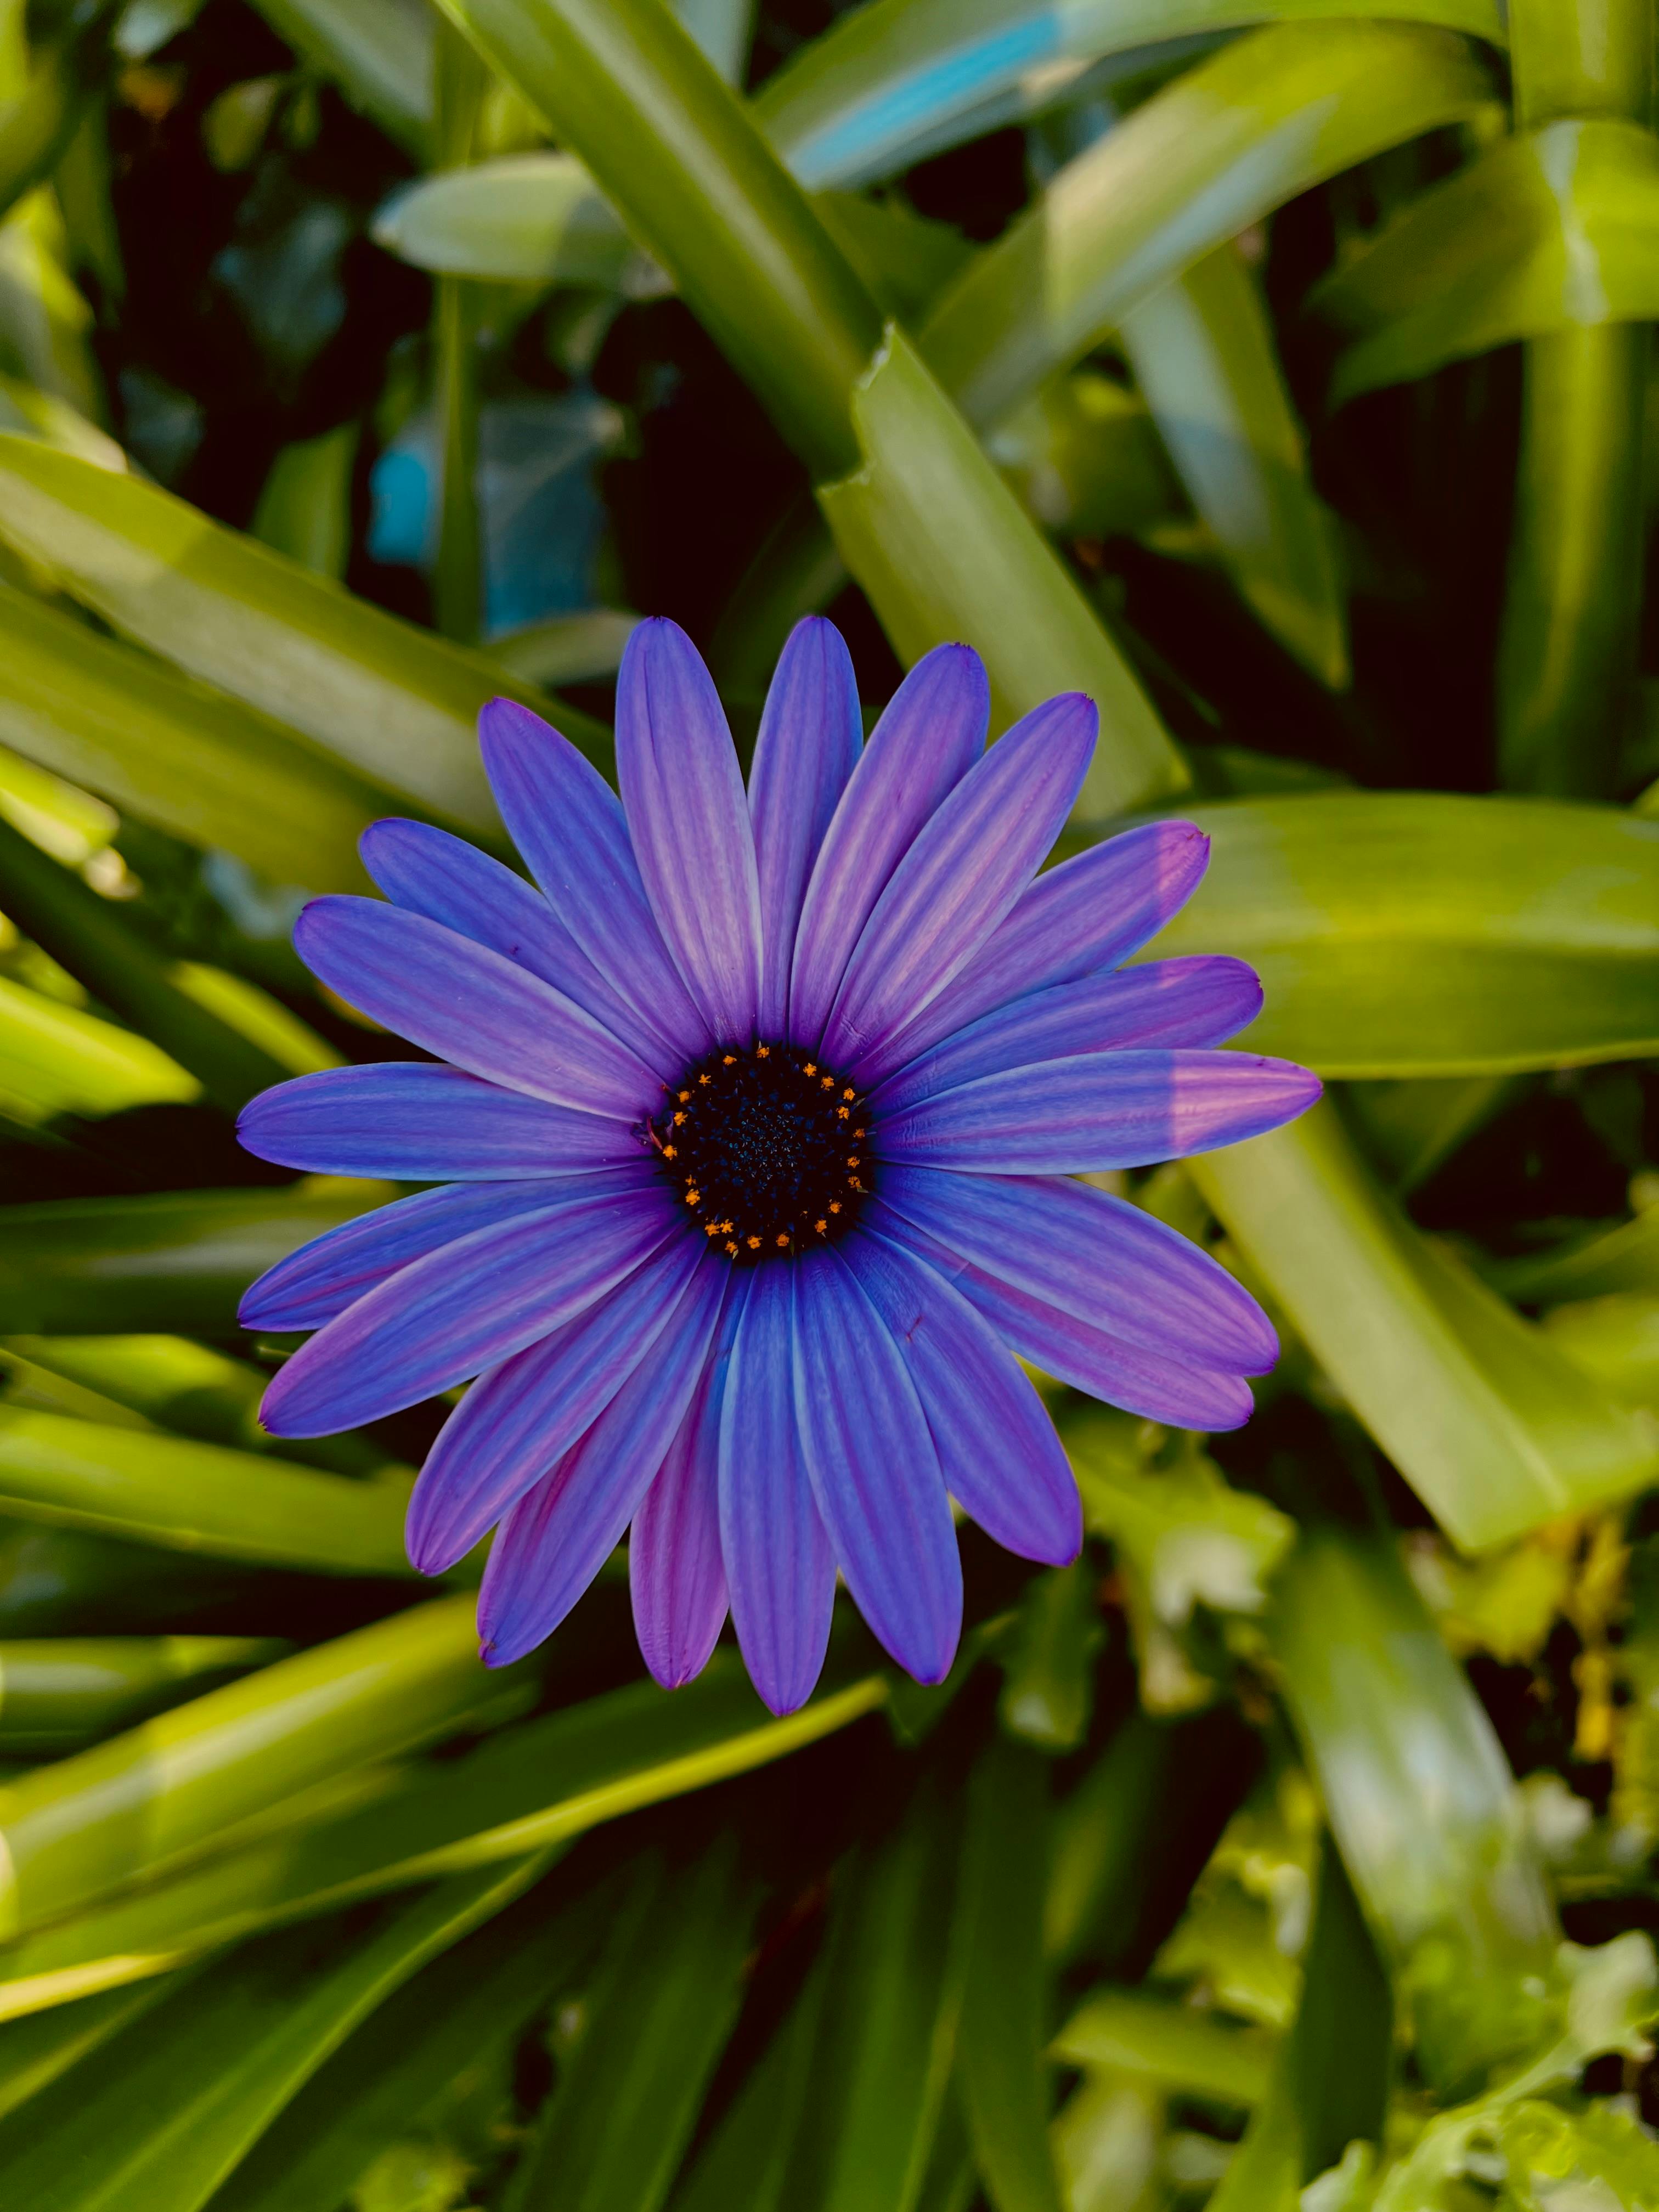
(1280, 374)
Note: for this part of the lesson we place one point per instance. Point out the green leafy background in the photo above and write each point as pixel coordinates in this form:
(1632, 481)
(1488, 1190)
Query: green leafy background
(1280, 376)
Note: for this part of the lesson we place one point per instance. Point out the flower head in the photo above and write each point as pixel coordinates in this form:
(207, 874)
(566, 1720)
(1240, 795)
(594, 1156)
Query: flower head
(752, 1132)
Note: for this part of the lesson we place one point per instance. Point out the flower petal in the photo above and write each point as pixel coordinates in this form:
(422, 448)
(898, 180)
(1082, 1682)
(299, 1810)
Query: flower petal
(470, 1006)
(427, 872)
(1099, 1110)
(779, 1569)
(930, 736)
(462, 1308)
(417, 1123)
(569, 824)
(557, 1537)
(1092, 912)
(676, 1576)
(1202, 999)
(997, 1449)
(969, 862)
(874, 1470)
(811, 735)
(689, 818)
(323, 1278)
(518, 1421)
(1092, 1255)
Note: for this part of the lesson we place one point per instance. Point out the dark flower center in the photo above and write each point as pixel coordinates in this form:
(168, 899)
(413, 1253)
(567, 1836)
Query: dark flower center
(767, 1150)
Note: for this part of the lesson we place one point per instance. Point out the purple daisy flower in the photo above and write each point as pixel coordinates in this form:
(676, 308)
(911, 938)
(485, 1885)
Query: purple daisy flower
(752, 1144)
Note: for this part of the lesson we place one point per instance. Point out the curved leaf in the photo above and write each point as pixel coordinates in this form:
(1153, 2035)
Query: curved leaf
(1223, 145)
(1406, 934)
(57, 1060)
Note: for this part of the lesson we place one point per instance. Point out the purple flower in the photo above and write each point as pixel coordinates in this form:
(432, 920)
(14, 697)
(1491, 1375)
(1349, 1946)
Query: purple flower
(753, 1147)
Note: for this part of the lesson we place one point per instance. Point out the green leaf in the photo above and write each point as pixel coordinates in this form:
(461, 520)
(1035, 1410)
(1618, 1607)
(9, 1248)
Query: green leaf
(1213, 153)
(1000, 2077)
(1181, 2049)
(1616, 1339)
(1402, 933)
(535, 1785)
(179, 1260)
(96, 943)
(1048, 1672)
(193, 762)
(1203, 355)
(1604, 2152)
(628, 88)
(1622, 1258)
(746, 2159)
(523, 218)
(396, 2074)
(1494, 1428)
(305, 508)
(662, 2007)
(888, 2021)
(188, 1497)
(57, 1060)
(58, 1693)
(940, 545)
(36, 2051)
(174, 2107)
(897, 79)
(378, 51)
(389, 701)
(1421, 1802)
(1549, 232)
(1086, 461)
(75, 1831)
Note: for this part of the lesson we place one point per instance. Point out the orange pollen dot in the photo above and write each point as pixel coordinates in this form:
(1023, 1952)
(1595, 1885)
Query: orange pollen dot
(711, 1228)
(835, 1205)
(702, 1078)
(849, 1094)
(668, 1151)
(729, 1060)
(783, 1237)
(822, 1228)
(683, 1095)
(842, 1112)
(810, 1068)
(857, 1133)
(829, 1082)
(852, 1160)
(762, 1051)
(694, 1198)
(732, 1249)
(754, 1243)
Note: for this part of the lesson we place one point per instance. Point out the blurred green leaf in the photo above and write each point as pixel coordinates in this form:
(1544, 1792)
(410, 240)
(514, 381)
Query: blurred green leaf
(898, 79)
(1552, 231)
(940, 546)
(662, 2007)
(395, 2074)
(1176, 2046)
(305, 508)
(57, 1060)
(97, 943)
(1615, 1339)
(58, 1693)
(1494, 1428)
(194, 1497)
(887, 2023)
(1235, 137)
(1047, 1670)
(176, 1259)
(746, 2158)
(1422, 1804)
(177, 754)
(1400, 933)
(535, 1785)
(1203, 355)
(378, 51)
(166, 2117)
(1000, 2071)
(77, 1830)
(522, 218)
(389, 701)
(34, 2052)
(1550, 2154)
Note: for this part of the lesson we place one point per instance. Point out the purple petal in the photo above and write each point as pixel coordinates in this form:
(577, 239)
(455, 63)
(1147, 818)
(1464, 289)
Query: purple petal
(417, 1123)
(689, 818)
(675, 1572)
(569, 824)
(968, 864)
(931, 735)
(1099, 1110)
(1150, 1384)
(518, 1421)
(874, 1471)
(323, 1278)
(1202, 999)
(446, 1317)
(1092, 1255)
(470, 1006)
(779, 1566)
(1092, 912)
(428, 871)
(811, 735)
(555, 1538)
(997, 1448)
